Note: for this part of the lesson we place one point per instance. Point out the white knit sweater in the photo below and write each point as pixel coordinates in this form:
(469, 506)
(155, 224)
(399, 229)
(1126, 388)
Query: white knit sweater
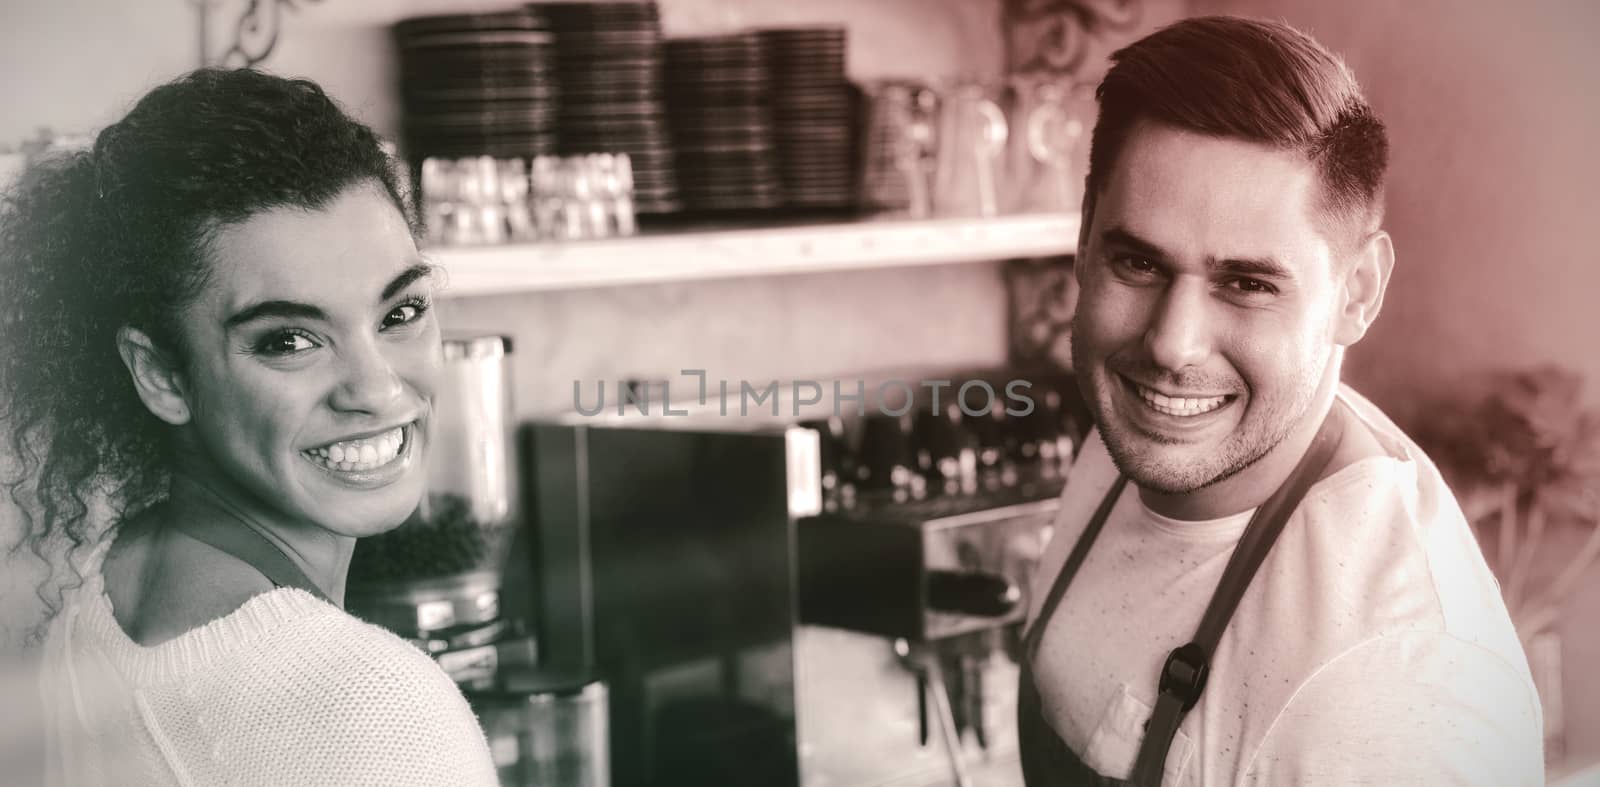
(286, 690)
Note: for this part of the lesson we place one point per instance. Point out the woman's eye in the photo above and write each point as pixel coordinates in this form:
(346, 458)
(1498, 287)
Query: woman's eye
(405, 313)
(285, 343)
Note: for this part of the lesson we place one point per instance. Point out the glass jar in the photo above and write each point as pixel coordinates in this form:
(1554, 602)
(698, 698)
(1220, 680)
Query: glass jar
(547, 728)
(441, 568)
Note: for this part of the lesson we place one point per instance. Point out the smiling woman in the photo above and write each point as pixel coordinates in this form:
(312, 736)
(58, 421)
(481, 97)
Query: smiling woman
(217, 319)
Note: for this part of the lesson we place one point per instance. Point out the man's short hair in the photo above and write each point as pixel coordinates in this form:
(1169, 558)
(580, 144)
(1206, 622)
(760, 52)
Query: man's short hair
(1256, 81)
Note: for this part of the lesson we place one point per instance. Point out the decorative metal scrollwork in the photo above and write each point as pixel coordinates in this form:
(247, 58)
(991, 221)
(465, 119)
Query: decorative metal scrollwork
(1052, 35)
(255, 34)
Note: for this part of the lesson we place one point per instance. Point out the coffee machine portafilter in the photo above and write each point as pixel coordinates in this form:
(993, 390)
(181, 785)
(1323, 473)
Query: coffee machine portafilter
(934, 549)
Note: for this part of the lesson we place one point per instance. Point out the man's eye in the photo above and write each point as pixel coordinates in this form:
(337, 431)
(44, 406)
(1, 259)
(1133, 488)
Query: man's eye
(1251, 286)
(285, 343)
(1136, 265)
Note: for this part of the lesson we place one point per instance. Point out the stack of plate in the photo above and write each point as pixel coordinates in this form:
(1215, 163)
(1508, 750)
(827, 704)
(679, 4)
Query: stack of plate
(814, 107)
(722, 123)
(477, 85)
(609, 62)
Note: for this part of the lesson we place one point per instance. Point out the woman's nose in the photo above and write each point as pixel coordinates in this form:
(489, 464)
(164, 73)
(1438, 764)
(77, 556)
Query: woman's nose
(1179, 335)
(369, 383)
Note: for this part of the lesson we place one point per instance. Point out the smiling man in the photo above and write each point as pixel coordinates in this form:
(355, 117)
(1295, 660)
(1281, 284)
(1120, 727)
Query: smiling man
(1269, 582)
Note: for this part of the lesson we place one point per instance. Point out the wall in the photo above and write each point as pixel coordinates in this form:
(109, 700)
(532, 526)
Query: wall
(1493, 122)
(75, 65)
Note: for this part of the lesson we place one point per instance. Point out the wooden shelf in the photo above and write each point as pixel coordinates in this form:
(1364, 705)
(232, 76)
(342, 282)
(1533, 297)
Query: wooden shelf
(737, 253)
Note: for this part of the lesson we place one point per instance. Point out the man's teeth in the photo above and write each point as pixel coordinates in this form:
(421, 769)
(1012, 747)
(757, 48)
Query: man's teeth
(366, 454)
(1180, 406)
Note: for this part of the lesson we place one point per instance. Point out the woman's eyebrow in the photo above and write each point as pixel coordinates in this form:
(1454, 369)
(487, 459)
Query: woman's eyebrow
(265, 309)
(405, 279)
(306, 311)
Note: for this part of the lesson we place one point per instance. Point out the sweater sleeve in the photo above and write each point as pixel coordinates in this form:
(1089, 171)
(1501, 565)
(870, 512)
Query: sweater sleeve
(1414, 708)
(364, 708)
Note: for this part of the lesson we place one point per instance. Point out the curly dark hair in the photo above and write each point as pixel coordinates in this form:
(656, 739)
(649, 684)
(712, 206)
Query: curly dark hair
(93, 240)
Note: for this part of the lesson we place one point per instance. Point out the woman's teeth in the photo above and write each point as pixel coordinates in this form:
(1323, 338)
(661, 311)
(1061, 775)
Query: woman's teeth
(1180, 406)
(365, 454)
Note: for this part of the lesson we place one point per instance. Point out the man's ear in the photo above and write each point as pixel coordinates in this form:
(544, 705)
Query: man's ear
(156, 376)
(1364, 285)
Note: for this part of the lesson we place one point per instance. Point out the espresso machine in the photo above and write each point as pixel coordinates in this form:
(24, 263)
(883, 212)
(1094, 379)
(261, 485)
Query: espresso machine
(666, 568)
(794, 598)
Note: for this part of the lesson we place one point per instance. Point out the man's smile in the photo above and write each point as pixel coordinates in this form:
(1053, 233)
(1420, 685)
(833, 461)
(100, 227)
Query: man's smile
(1180, 406)
(1171, 415)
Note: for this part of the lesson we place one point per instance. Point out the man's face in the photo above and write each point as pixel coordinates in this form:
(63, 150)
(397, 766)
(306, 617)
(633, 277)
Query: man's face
(1206, 319)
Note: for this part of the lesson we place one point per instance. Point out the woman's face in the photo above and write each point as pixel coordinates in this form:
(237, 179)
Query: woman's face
(313, 356)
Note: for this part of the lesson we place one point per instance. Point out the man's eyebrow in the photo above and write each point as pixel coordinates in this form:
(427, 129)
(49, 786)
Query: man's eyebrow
(265, 309)
(405, 279)
(1128, 240)
(1257, 267)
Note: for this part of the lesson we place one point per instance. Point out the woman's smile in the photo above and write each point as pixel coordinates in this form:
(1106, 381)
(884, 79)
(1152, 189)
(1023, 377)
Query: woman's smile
(368, 461)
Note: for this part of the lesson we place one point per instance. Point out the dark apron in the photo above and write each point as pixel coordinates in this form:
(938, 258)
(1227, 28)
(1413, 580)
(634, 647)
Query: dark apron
(203, 515)
(1049, 762)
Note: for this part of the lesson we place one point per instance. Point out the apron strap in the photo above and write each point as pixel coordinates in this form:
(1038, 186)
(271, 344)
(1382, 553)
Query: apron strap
(233, 536)
(1069, 569)
(1183, 677)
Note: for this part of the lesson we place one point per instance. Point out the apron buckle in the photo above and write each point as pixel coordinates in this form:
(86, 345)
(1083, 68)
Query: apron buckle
(1184, 675)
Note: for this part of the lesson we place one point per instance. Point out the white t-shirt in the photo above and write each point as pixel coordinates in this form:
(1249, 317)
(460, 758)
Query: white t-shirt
(1372, 647)
(287, 689)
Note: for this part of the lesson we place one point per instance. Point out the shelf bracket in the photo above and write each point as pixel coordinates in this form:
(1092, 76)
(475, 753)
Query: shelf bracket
(255, 33)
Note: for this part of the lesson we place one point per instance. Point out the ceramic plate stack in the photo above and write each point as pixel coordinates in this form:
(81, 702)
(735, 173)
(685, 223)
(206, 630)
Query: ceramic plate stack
(814, 107)
(722, 123)
(609, 63)
(477, 84)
